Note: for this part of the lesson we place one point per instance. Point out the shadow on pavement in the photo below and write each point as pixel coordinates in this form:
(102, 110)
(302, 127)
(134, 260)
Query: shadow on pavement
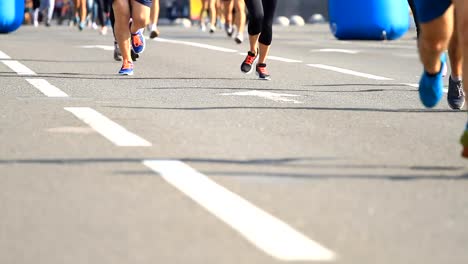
(356, 109)
(90, 76)
(430, 172)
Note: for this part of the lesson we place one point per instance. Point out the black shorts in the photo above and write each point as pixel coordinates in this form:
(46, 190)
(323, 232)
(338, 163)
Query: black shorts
(147, 3)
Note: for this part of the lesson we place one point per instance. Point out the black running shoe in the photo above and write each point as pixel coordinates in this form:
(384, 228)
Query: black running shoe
(229, 29)
(262, 72)
(250, 60)
(134, 55)
(154, 34)
(117, 54)
(455, 95)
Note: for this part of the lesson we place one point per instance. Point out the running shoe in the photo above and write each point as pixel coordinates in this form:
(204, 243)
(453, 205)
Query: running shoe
(262, 72)
(455, 95)
(81, 26)
(153, 30)
(239, 38)
(154, 33)
(229, 30)
(134, 55)
(117, 54)
(138, 41)
(250, 60)
(127, 68)
(212, 28)
(464, 142)
(431, 87)
(202, 27)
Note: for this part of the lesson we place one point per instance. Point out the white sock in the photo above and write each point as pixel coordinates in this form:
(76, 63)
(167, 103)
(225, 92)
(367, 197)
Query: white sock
(456, 78)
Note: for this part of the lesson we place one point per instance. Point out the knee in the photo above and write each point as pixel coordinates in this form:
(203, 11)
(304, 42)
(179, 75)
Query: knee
(120, 7)
(434, 42)
(140, 21)
(257, 17)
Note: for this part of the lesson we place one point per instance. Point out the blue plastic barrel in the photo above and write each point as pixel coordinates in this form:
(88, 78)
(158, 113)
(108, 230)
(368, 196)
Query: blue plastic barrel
(368, 19)
(11, 15)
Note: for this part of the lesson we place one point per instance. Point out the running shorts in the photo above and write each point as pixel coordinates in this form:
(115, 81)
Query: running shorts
(429, 10)
(146, 2)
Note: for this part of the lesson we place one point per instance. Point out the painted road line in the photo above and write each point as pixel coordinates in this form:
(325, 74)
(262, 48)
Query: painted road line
(350, 72)
(415, 85)
(17, 67)
(265, 231)
(3, 56)
(194, 44)
(46, 88)
(337, 51)
(275, 58)
(282, 59)
(108, 128)
(277, 97)
(104, 47)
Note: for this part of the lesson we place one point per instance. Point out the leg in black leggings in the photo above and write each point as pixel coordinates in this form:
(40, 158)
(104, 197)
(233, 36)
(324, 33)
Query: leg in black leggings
(261, 14)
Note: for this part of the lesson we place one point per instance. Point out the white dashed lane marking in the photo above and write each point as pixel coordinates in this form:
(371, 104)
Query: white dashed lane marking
(17, 67)
(46, 88)
(266, 232)
(349, 72)
(108, 128)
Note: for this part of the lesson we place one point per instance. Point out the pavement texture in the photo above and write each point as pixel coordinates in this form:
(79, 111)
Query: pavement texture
(354, 163)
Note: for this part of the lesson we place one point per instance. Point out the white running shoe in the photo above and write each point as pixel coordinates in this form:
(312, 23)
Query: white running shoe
(239, 38)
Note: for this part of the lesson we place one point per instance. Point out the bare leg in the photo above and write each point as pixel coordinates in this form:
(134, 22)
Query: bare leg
(140, 16)
(455, 53)
(228, 6)
(212, 8)
(122, 34)
(264, 49)
(240, 15)
(154, 14)
(434, 40)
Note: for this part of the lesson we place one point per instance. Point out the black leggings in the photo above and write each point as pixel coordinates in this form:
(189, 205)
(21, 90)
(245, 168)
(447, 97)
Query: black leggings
(261, 14)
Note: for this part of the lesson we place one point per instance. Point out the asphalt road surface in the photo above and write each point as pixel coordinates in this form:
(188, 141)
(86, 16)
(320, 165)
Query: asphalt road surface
(334, 160)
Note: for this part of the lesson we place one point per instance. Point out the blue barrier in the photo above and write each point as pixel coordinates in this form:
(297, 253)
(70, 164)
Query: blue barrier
(11, 15)
(368, 19)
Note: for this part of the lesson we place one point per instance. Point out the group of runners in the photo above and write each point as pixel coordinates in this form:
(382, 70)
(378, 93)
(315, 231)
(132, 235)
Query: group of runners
(441, 25)
(129, 19)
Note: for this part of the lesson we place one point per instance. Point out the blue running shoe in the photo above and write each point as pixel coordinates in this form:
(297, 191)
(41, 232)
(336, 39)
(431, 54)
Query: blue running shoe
(127, 68)
(431, 88)
(138, 41)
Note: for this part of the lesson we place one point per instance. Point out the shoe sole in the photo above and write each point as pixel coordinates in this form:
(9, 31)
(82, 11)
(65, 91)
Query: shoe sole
(126, 74)
(238, 40)
(264, 79)
(455, 107)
